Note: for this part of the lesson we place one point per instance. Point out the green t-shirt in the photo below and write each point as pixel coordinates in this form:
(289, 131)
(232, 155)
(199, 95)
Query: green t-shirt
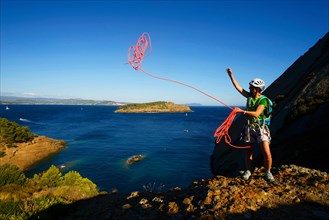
(253, 103)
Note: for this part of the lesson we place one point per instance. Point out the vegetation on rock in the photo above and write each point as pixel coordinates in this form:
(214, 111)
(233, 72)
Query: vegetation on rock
(21, 197)
(11, 174)
(153, 107)
(17, 141)
(306, 105)
(297, 193)
(11, 133)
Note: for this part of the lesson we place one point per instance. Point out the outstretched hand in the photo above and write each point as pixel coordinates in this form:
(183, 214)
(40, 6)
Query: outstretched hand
(229, 71)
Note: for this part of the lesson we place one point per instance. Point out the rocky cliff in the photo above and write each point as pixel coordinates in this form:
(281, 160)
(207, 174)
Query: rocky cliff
(300, 117)
(298, 193)
(26, 154)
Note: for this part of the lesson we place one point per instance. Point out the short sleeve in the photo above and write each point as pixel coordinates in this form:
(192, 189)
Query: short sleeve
(263, 102)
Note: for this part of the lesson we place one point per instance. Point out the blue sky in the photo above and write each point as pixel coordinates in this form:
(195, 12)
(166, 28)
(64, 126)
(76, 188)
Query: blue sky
(78, 49)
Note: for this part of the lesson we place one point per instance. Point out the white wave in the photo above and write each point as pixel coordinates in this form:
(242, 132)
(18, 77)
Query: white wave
(25, 120)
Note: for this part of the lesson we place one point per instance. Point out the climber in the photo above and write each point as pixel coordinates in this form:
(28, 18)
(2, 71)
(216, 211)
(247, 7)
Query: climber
(256, 128)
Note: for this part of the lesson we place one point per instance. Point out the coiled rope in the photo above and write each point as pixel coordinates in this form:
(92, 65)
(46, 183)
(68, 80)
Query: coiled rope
(222, 130)
(142, 49)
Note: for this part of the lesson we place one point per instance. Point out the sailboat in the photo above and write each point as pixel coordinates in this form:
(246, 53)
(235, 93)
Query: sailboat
(7, 108)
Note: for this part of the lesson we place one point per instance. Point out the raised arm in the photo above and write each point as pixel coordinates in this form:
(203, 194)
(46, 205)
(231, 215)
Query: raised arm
(236, 84)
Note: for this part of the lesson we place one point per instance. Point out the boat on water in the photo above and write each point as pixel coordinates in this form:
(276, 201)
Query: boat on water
(24, 120)
(7, 108)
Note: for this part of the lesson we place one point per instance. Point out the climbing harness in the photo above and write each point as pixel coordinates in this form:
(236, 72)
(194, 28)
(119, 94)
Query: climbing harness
(265, 117)
(142, 49)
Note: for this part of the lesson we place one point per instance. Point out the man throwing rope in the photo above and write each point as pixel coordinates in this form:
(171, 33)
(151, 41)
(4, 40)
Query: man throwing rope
(256, 128)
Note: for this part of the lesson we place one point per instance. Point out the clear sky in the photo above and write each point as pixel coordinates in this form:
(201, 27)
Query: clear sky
(78, 49)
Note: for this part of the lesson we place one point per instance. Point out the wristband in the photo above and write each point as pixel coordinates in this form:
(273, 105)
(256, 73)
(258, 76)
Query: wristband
(244, 112)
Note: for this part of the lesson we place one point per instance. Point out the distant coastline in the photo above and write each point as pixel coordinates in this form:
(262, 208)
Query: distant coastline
(12, 100)
(15, 100)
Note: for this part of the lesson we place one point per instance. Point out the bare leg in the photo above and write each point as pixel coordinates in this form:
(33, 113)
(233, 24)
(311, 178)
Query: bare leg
(265, 146)
(249, 158)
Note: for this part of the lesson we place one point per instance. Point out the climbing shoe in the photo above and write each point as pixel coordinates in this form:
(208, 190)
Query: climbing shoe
(269, 177)
(246, 175)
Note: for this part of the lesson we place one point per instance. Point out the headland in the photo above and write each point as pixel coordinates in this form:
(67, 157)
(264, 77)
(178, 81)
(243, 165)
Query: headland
(26, 154)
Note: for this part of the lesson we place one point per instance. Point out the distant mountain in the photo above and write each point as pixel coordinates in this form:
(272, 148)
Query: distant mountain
(7, 100)
(53, 101)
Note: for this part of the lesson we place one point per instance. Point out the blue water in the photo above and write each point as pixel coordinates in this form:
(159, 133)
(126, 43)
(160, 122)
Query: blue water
(177, 146)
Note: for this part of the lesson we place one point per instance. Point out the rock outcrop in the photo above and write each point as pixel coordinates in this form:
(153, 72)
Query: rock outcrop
(300, 117)
(154, 107)
(134, 159)
(298, 193)
(28, 153)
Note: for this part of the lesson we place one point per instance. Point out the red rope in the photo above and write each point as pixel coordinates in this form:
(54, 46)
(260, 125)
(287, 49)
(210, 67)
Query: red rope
(174, 81)
(135, 60)
(222, 130)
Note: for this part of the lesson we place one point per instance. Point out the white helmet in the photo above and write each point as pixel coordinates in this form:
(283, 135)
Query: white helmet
(258, 83)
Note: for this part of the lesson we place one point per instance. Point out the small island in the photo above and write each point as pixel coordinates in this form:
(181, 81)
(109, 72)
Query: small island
(153, 107)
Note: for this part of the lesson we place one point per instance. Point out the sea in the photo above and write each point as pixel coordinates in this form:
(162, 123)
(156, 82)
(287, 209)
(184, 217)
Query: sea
(176, 146)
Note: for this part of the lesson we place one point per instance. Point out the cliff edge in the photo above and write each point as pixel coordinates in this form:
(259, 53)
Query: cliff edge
(298, 193)
(25, 154)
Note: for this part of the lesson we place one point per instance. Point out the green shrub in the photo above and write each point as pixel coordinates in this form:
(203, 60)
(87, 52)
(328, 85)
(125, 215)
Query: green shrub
(15, 192)
(303, 106)
(277, 100)
(75, 187)
(11, 174)
(51, 178)
(41, 192)
(39, 203)
(10, 208)
(11, 132)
